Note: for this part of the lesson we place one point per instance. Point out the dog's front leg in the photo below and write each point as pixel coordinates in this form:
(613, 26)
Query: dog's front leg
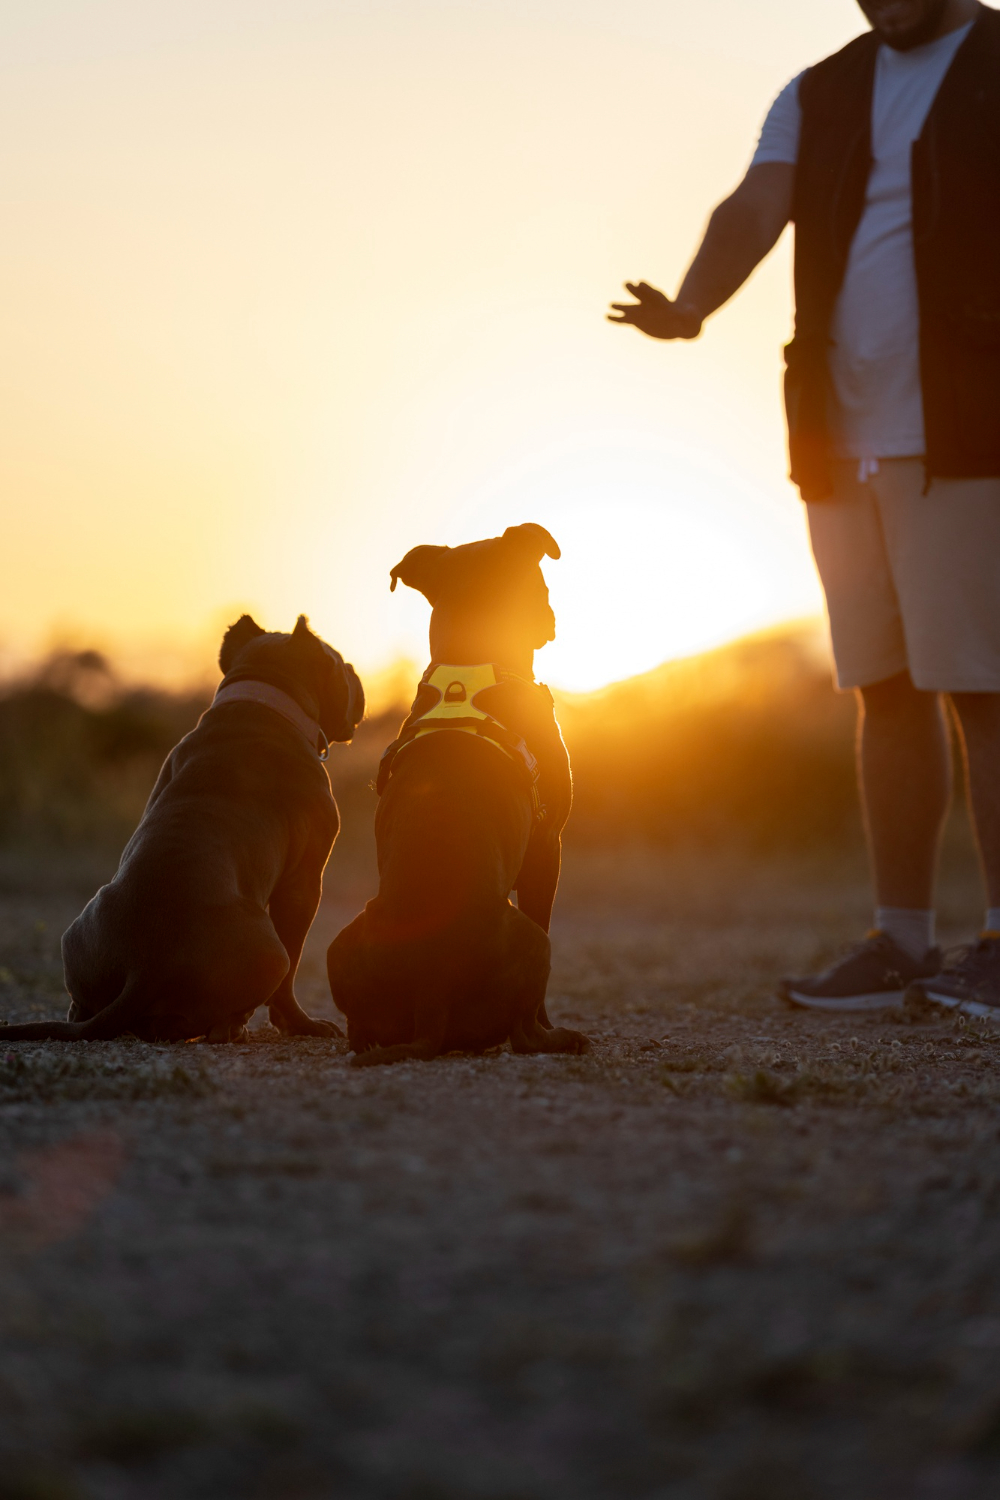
(538, 877)
(292, 908)
(537, 882)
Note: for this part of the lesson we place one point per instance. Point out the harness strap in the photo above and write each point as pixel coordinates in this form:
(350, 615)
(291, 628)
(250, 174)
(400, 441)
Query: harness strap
(457, 711)
(267, 696)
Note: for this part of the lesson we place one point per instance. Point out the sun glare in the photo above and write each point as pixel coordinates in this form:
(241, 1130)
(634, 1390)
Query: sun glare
(665, 553)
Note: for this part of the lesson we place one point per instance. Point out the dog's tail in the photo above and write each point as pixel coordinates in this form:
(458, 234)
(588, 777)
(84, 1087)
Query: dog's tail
(110, 1022)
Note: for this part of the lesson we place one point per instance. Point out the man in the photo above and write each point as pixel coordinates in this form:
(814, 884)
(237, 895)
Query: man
(887, 157)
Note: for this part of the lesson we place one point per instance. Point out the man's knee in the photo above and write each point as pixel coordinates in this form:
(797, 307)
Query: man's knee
(897, 698)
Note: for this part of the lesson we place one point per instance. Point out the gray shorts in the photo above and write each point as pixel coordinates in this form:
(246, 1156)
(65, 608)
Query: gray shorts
(912, 581)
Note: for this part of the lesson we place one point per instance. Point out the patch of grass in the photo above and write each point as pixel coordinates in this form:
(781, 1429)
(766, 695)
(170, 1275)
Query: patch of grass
(768, 1479)
(270, 1426)
(726, 1240)
(762, 1087)
(689, 1060)
(49, 1073)
(680, 1087)
(30, 1481)
(136, 1437)
(588, 1069)
(978, 1431)
(264, 1166)
(889, 1081)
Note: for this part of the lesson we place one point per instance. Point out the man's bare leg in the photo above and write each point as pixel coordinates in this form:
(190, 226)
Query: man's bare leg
(978, 716)
(971, 983)
(904, 769)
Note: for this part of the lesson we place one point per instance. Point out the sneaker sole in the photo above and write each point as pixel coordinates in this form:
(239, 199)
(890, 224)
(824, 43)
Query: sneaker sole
(915, 999)
(882, 1000)
(979, 1010)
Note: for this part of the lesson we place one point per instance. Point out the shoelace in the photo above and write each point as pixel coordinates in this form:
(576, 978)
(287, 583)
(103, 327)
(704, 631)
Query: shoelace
(973, 960)
(874, 941)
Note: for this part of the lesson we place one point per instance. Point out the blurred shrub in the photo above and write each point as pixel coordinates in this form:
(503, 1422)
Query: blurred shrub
(130, 1070)
(745, 745)
(78, 754)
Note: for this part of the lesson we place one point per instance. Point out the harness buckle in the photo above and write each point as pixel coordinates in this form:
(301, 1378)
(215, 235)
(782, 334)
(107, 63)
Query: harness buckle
(476, 721)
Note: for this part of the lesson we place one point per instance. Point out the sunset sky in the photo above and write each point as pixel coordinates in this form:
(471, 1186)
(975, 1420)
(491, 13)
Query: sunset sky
(289, 286)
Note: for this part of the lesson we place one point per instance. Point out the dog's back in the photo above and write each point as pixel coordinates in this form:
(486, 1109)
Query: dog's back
(236, 798)
(451, 830)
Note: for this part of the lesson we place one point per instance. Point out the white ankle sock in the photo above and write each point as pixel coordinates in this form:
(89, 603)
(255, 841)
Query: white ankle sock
(992, 923)
(910, 927)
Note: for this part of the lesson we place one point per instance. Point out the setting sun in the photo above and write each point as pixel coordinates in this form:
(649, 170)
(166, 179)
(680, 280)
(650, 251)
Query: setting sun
(664, 553)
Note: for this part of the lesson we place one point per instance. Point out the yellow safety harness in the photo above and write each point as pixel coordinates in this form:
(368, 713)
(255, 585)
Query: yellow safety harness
(457, 688)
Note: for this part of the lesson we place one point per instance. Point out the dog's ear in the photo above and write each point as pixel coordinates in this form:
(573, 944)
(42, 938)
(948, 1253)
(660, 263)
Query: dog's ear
(533, 540)
(236, 637)
(302, 631)
(422, 568)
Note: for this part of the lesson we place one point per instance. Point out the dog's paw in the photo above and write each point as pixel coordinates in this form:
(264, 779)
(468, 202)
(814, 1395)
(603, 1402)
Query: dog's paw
(568, 1040)
(292, 1021)
(225, 1033)
(370, 1059)
(377, 1057)
(321, 1028)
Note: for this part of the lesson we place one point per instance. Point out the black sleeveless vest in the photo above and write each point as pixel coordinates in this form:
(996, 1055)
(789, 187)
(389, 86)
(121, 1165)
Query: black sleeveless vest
(956, 241)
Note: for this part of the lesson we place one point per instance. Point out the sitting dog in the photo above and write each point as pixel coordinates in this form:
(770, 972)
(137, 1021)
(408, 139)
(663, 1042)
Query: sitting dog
(474, 795)
(218, 886)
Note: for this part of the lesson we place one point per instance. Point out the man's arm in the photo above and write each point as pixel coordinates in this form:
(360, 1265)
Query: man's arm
(741, 231)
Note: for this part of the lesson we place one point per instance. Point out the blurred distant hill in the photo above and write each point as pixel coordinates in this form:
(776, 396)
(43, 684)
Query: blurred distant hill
(747, 745)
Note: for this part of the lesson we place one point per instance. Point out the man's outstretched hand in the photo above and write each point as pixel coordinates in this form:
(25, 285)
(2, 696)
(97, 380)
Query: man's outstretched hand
(655, 314)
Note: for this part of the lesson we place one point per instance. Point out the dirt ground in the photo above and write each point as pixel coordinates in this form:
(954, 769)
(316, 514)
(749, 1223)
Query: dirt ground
(736, 1253)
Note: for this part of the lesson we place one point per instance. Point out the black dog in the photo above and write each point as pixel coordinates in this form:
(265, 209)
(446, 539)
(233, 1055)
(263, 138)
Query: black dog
(217, 888)
(475, 793)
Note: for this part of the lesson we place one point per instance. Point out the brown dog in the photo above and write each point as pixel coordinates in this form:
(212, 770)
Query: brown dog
(217, 888)
(474, 796)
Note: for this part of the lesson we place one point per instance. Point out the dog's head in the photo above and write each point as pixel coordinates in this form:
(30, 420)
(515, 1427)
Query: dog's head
(489, 601)
(300, 660)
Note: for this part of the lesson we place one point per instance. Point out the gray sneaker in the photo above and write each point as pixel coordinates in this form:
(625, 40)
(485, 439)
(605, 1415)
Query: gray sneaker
(874, 975)
(971, 983)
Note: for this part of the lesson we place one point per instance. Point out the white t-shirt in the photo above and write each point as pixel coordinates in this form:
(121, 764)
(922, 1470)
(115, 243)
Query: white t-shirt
(875, 362)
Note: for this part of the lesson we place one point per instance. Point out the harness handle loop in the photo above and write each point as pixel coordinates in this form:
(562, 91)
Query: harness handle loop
(461, 685)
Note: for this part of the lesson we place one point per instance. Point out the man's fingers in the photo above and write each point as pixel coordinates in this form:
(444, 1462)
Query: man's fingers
(651, 312)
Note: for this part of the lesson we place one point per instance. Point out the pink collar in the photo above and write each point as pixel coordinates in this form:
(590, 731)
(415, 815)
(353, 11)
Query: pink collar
(273, 698)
